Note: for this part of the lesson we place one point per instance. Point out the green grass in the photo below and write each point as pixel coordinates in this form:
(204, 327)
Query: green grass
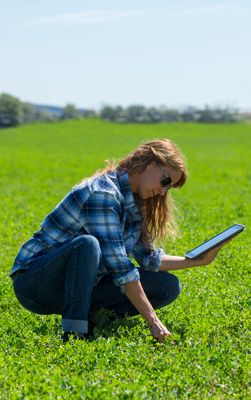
(210, 320)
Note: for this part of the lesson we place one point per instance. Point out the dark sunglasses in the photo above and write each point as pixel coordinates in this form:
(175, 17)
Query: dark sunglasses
(166, 181)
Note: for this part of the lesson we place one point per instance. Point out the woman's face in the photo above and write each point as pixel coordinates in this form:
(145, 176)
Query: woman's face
(148, 183)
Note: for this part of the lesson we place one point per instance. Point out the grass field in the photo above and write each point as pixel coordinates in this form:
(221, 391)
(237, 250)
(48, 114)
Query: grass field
(210, 320)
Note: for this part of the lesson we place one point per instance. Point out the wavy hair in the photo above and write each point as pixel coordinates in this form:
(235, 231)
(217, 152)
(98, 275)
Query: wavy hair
(158, 211)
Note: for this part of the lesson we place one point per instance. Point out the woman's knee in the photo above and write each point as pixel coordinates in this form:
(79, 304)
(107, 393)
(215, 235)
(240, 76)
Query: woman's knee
(88, 249)
(89, 245)
(87, 241)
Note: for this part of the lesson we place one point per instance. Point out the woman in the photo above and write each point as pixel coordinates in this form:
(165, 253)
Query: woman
(78, 261)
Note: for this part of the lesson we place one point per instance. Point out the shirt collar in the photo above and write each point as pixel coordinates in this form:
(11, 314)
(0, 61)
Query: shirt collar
(125, 188)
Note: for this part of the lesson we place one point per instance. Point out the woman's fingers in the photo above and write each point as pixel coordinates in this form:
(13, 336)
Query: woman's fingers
(208, 257)
(159, 331)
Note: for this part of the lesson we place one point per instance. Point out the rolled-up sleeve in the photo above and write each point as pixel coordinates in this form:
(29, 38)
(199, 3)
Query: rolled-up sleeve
(102, 214)
(148, 258)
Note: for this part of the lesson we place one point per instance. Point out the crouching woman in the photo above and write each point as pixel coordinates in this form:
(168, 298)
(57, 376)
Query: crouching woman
(80, 258)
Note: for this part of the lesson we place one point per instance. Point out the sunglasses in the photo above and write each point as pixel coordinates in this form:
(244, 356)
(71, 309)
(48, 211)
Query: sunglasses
(166, 181)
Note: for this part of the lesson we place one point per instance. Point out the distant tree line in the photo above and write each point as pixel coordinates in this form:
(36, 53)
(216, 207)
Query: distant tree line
(141, 114)
(14, 112)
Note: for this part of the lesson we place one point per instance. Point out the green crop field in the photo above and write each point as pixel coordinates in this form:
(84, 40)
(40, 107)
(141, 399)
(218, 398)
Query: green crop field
(208, 355)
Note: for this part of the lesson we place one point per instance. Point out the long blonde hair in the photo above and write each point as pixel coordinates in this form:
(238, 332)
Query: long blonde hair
(158, 212)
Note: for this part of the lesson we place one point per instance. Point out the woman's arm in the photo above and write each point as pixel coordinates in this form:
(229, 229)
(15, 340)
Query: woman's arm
(169, 262)
(137, 296)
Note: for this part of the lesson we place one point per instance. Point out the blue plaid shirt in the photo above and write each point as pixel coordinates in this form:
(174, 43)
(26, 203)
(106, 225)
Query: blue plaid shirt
(105, 207)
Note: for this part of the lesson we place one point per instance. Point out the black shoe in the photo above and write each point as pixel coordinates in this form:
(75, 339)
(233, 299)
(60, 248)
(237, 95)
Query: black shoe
(74, 335)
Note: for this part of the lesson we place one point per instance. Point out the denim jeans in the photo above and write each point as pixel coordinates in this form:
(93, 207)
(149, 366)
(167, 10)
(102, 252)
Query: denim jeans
(63, 282)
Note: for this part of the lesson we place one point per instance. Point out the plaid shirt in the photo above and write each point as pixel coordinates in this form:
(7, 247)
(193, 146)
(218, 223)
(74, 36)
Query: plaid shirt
(105, 207)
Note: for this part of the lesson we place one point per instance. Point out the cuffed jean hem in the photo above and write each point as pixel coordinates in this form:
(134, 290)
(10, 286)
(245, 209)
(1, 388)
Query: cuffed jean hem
(75, 325)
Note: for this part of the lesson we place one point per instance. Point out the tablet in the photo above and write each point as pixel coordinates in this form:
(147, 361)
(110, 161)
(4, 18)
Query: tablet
(215, 241)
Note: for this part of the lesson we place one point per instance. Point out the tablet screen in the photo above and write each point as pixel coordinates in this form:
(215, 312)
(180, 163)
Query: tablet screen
(221, 237)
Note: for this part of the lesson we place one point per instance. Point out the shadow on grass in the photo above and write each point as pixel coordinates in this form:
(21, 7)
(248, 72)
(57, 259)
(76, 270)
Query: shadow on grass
(112, 328)
(106, 324)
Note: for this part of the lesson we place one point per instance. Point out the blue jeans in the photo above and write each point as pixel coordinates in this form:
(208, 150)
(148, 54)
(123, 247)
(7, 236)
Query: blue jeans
(62, 282)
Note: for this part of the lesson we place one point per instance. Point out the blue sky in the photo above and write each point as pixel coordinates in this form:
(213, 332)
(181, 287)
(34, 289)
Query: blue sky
(157, 52)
